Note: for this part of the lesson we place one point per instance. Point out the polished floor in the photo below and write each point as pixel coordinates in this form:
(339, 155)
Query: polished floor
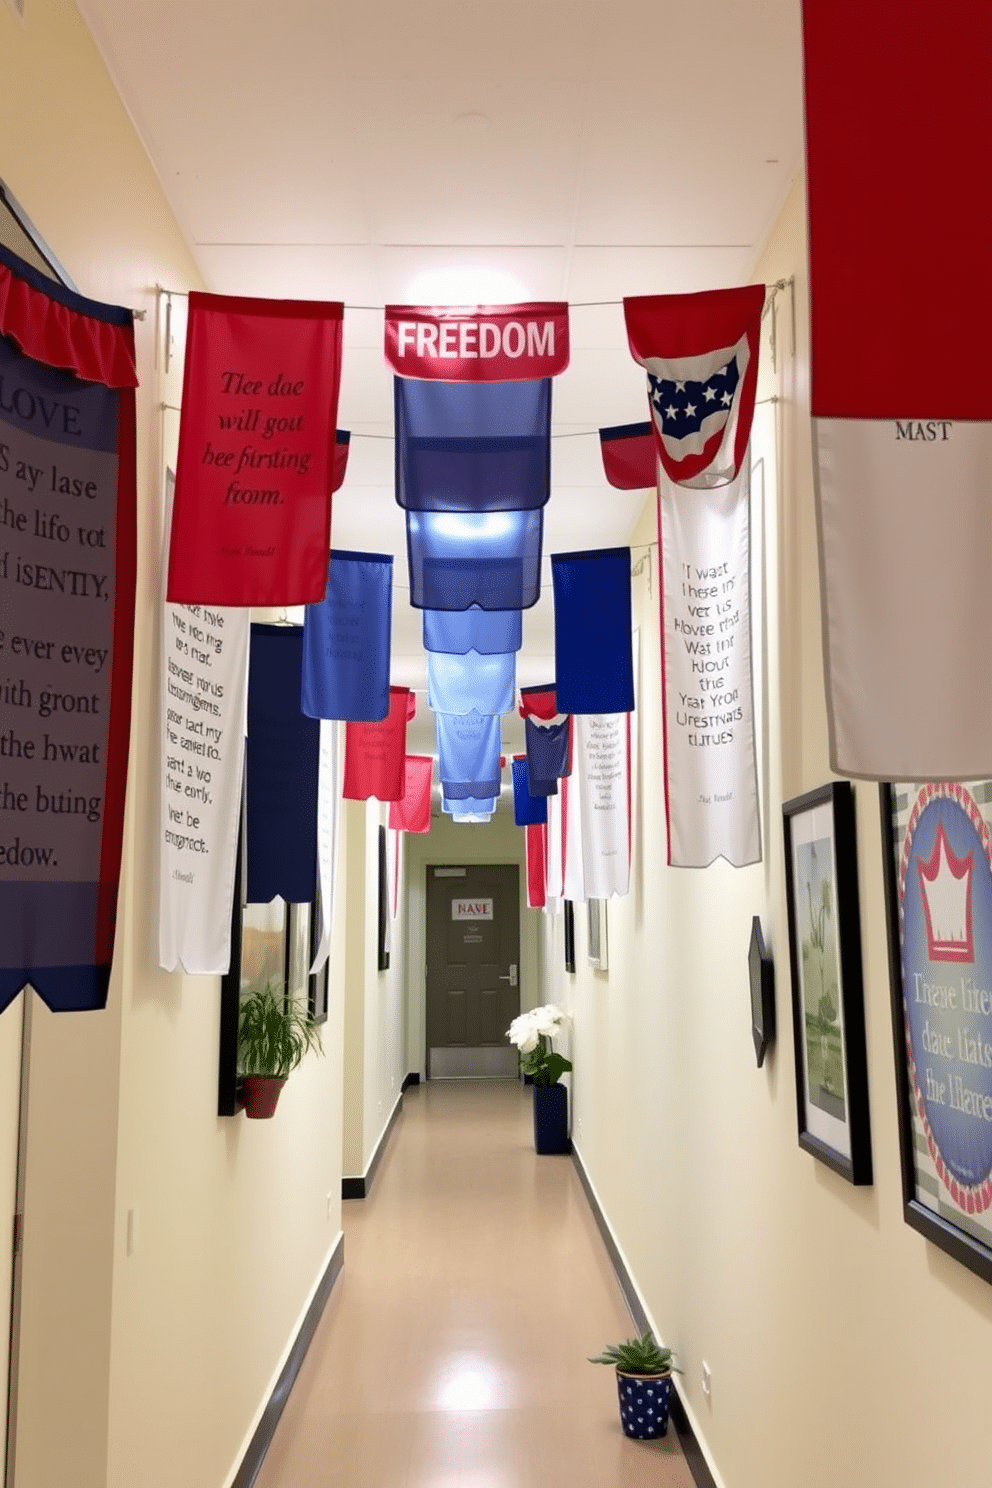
(453, 1350)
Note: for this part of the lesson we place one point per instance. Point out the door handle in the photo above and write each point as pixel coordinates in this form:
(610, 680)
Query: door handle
(511, 976)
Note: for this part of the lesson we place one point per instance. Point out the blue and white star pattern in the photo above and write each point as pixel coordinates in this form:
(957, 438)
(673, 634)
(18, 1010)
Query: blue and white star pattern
(644, 1404)
(680, 407)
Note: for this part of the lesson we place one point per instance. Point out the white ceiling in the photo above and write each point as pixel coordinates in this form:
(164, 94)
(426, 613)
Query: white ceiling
(451, 151)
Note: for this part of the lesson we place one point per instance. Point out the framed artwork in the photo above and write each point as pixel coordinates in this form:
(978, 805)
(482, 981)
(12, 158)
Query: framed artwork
(318, 981)
(298, 952)
(383, 933)
(937, 852)
(263, 947)
(821, 880)
(597, 952)
(569, 935)
(761, 975)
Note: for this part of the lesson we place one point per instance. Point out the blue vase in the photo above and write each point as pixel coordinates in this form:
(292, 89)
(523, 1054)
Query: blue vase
(551, 1118)
(644, 1404)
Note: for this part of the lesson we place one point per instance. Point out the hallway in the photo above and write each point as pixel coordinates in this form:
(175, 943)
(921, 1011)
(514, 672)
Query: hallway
(452, 1352)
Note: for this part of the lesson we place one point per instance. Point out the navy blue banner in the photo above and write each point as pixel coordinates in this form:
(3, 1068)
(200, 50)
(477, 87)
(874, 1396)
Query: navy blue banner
(282, 759)
(346, 640)
(459, 559)
(594, 670)
(472, 446)
(490, 632)
(549, 755)
(528, 810)
(67, 578)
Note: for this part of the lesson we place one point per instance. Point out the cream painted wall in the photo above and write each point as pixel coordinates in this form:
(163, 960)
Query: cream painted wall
(843, 1347)
(153, 1365)
(448, 841)
(375, 1033)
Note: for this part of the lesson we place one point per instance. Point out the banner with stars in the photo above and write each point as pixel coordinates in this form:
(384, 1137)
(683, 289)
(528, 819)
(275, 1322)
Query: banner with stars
(700, 352)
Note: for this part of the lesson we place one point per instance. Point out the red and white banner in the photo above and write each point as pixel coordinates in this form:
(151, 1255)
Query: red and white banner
(251, 522)
(478, 343)
(599, 792)
(629, 456)
(539, 702)
(413, 812)
(375, 753)
(536, 839)
(701, 356)
(900, 391)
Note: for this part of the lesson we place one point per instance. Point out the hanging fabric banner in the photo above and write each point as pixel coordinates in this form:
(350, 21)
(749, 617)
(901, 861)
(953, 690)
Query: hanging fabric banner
(600, 791)
(413, 812)
(477, 343)
(700, 352)
(471, 446)
(539, 702)
(554, 852)
(710, 764)
(346, 640)
(282, 768)
(470, 809)
(490, 632)
(573, 885)
(549, 754)
(468, 754)
(328, 822)
(203, 701)
(900, 390)
(593, 662)
(471, 683)
(252, 515)
(629, 456)
(490, 559)
(67, 586)
(342, 444)
(374, 753)
(528, 810)
(536, 853)
(701, 356)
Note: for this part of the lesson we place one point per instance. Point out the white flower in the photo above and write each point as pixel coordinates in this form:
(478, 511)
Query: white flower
(529, 1042)
(523, 1033)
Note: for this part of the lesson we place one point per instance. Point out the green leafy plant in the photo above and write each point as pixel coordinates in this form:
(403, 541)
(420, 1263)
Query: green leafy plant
(274, 1033)
(533, 1034)
(637, 1356)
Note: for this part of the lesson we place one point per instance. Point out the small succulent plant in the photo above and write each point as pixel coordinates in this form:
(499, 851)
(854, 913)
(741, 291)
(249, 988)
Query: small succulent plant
(637, 1356)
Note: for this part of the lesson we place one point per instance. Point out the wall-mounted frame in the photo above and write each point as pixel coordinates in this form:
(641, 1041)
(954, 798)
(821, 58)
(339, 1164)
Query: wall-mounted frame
(298, 958)
(598, 950)
(821, 880)
(937, 853)
(569, 915)
(761, 976)
(383, 925)
(318, 987)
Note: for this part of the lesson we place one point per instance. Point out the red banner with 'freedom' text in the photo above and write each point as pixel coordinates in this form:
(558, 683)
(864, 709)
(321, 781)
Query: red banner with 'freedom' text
(478, 343)
(251, 521)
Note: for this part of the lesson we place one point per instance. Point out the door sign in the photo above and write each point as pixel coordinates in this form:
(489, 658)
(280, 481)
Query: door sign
(471, 909)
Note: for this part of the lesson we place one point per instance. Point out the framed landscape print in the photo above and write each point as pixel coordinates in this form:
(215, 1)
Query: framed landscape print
(821, 880)
(937, 850)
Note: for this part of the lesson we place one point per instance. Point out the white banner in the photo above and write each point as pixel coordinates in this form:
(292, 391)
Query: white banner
(711, 774)
(904, 553)
(204, 699)
(573, 863)
(328, 813)
(601, 791)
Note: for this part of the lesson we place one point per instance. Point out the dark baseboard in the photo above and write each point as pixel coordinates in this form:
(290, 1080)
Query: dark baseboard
(691, 1449)
(413, 1078)
(360, 1188)
(258, 1446)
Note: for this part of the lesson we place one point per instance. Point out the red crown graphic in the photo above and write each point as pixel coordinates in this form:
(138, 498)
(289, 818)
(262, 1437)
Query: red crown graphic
(946, 885)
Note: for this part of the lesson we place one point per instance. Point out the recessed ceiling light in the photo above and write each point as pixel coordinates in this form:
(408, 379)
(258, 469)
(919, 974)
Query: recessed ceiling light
(468, 284)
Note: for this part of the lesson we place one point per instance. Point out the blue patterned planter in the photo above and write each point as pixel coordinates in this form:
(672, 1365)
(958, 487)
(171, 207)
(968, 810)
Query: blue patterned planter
(551, 1118)
(644, 1402)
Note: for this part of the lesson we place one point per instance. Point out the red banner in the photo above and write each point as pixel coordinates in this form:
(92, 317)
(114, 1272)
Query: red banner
(375, 753)
(413, 813)
(251, 521)
(342, 444)
(537, 842)
(478, 343)
(629, 459)
(539, 702)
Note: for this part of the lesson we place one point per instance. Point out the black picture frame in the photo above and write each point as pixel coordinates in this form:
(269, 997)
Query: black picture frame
(761, 976)
(569, 935)
(317, 1000)
(382, 947)
(944, 1126)
(828, 1016)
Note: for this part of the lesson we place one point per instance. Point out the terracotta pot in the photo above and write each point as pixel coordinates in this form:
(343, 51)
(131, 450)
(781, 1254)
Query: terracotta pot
(262, 1095)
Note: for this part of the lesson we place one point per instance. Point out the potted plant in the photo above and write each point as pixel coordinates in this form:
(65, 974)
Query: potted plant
(274, 1033)
(644, 1384)
(534, 1033)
